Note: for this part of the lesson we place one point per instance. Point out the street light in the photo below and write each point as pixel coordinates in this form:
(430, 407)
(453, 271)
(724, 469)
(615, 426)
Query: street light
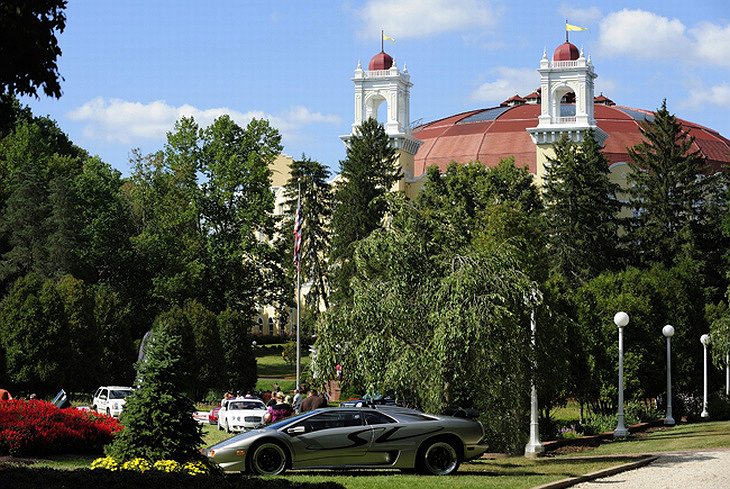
(621, 319)
(668, 332)
(705, 340)
(534, 448)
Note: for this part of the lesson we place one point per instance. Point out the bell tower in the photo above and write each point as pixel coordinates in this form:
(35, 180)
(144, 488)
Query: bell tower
(566, 86)
(384, 83)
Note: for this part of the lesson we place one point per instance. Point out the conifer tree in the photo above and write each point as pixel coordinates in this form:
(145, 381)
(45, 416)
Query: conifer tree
(368, 172)
(666, 191)
(158, 418)
(581, 210)
(316, 212)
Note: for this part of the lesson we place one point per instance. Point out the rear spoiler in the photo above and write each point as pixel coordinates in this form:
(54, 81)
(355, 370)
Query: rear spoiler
(461, 412)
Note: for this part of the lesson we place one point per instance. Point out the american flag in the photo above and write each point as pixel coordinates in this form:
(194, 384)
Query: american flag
(298, 235)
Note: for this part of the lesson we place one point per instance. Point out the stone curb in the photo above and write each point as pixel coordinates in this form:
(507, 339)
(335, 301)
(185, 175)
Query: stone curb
(644, 460)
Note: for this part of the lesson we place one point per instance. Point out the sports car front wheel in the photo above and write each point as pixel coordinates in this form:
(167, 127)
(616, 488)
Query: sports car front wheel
(439, 458)
(268, 459)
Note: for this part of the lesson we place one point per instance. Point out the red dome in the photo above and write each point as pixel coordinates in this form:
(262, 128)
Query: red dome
(381, 61)
(566, 52)
(487, 135)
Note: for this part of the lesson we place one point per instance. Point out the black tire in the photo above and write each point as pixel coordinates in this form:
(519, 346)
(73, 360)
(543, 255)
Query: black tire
(267, 458)
(438, 457)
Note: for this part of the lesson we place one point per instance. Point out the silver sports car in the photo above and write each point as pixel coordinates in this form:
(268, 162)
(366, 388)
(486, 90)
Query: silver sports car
(387, 437)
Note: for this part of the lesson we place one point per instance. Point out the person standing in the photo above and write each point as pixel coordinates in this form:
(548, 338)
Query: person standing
(297, 404)
(278, 411)
(313, 401)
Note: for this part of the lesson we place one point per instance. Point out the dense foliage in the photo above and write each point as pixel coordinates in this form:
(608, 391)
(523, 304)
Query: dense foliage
(89, 260)
(430, 302)
(36, 428)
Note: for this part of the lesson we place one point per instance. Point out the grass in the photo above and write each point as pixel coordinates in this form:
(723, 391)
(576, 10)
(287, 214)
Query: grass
(697, 436)
(506, 472)
(274, 366)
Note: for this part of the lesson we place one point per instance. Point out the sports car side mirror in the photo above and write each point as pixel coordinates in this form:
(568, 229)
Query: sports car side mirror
(296, 430)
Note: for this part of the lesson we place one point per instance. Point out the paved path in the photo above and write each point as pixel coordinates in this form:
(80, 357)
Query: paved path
(686, 470)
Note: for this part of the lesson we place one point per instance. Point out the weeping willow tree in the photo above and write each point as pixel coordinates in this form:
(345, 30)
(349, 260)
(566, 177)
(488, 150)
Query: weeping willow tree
(441, 322)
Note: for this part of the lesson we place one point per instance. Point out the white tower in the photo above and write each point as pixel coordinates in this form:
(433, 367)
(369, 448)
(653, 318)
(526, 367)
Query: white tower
(566, 86)
(382, 83)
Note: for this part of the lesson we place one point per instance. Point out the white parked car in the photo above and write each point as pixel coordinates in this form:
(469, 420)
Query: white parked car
(241, 414)
(110, 399)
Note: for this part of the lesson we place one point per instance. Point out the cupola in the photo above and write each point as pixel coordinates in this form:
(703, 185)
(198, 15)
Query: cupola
(566, 52)
(381, 61)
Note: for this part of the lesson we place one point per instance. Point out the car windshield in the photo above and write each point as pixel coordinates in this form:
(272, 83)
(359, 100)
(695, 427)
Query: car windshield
(246, 405)
(120, 393)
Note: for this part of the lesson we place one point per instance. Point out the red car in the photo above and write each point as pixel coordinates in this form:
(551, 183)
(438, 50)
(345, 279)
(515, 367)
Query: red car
(213, 416)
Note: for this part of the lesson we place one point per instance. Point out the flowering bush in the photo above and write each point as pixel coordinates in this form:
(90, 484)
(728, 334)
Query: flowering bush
(107, 463)
(195, 467)
(40, 428)
(137, 464)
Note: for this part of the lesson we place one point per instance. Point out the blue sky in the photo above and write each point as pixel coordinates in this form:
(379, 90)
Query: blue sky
(133, 67)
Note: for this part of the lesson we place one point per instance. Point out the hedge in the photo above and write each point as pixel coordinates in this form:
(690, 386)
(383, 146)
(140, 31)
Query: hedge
(88, 479)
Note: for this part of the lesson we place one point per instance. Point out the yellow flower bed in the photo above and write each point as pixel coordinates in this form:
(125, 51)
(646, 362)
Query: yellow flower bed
(142, 465)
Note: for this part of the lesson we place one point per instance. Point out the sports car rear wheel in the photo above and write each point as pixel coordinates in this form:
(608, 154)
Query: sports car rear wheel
(268, 459)
(439, 458)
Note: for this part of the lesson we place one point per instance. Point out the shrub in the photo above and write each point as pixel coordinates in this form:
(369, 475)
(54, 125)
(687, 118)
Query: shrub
(40, 428)
(158, 417)
(719, 406)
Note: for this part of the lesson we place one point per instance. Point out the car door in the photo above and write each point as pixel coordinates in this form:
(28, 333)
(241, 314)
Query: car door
(405, 435)
(103, 400)
(223, 416)
(330, 438)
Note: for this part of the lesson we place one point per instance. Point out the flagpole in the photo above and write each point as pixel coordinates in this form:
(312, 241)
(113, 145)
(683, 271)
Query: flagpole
(566, 30)
(382, 46)
(299, 290)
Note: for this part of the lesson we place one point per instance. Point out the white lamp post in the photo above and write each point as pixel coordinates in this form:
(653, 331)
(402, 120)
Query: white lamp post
(621, 319)
(705, 340)
(533, 448)
(668, 332)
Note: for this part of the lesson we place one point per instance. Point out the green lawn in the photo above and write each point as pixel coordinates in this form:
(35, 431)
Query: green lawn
(508, 473)
(696, 436)
(274, 366)
(504, 473)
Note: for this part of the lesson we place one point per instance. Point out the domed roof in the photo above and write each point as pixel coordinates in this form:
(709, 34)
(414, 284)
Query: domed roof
(566, 52)
(381, 61)
(488, 135)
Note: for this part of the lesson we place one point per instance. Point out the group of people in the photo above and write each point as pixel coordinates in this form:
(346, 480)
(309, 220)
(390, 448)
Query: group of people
(280, 406)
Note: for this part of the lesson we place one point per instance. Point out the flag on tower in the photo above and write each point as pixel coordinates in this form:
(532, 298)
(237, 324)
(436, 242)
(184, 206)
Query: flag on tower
(298, 234)
(571, 27)
(386, 37)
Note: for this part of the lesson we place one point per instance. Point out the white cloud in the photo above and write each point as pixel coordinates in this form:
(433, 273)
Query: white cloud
(701, 95)
(509, 81)
(712, 43)
(121, 121)
(421, 18)
(580, 16)
(642, 34)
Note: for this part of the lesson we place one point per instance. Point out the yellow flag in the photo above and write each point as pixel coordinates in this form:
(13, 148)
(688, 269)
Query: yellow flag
(386, 37)
(571, 27)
